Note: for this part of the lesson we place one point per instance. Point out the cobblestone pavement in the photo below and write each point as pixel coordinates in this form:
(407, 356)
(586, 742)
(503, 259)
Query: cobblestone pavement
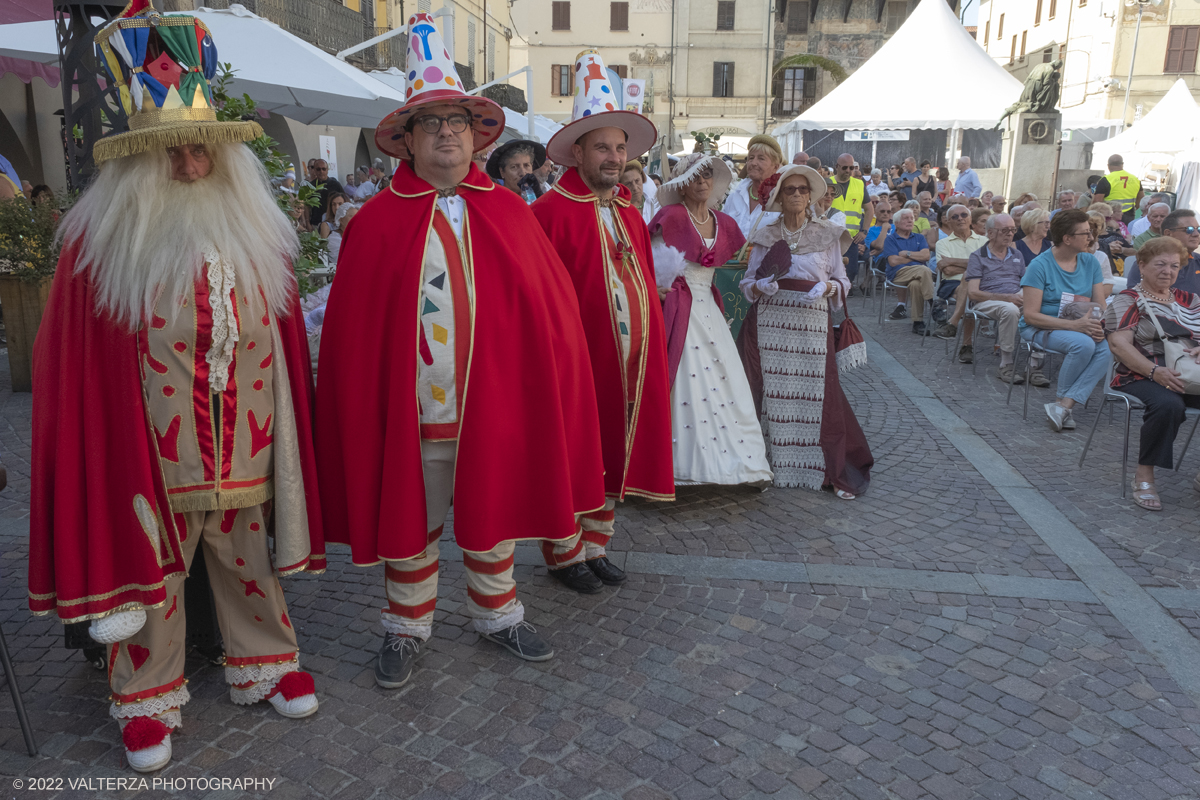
(954, 633)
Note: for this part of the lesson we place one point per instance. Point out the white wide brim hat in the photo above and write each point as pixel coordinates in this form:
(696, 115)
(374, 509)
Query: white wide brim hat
(687, 170)
(815, 183)
(640, 132)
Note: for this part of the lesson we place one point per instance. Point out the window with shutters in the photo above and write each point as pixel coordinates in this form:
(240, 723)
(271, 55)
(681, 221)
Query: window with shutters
(491, 55)
(618, 16)
(725, 15)
(1000, 29)
(897, 12)
(1062, 52)
(797, 18)
(560, 15)
(1047, 55)
(562, 80)
(1037, 14)
(1181, 48)
(1082, 3)
(471, 46)
(722, 79)
(795, 90)
(987, 32)
(1023, 35)
(1012, 54)
(621, 69)
(1053, 9)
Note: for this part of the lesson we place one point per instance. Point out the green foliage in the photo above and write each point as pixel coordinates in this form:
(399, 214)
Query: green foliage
(230, 108)
(705, 142)
(835, 70)
(28, 248)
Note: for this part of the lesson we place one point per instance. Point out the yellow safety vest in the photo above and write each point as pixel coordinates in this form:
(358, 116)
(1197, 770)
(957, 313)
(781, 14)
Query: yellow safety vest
(850, 203)
(1124, 188)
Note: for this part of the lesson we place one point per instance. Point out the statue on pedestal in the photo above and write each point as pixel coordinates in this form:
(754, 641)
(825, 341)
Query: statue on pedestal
(1040, 94)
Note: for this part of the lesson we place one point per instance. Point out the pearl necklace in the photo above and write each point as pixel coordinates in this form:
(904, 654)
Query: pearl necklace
(1165, 300)
(793, 237)
(708, 216)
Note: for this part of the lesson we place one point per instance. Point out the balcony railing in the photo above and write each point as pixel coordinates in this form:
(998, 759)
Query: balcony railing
(330, 26)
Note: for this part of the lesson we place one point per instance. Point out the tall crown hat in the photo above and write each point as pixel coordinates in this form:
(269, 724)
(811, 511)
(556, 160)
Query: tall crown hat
(161, 66)
(433, 81)
(597, 106)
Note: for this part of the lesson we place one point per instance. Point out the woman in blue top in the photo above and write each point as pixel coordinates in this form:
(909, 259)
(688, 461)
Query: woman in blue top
(1067, 268)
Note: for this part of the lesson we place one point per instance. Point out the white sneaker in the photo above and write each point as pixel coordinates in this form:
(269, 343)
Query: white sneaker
(1057, 415)
(1069, 421)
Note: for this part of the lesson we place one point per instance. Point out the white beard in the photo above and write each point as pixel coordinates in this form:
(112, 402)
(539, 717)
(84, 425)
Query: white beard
(143, 235)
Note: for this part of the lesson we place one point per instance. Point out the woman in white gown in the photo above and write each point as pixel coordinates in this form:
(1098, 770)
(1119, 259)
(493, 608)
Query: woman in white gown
(716, 434)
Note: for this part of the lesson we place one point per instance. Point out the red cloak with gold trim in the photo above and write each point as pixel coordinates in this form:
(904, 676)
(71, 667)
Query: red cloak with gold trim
(101, 535)
(528, 444)
(637, 442)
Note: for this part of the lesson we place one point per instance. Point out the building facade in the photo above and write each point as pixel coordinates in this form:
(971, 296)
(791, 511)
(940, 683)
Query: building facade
(1095, 40)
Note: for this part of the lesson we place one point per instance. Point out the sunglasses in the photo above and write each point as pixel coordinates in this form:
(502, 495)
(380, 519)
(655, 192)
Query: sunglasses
(960, 216)
(1189, 229)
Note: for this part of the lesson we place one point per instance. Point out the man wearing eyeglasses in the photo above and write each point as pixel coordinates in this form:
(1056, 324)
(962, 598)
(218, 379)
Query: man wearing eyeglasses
(1181, 225)
(454, 371)
(850, 197)
(320, 175)
(952, 255)
(993, 280)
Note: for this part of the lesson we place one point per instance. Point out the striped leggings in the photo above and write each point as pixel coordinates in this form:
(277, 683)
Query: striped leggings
(594, 532)
(411, 584)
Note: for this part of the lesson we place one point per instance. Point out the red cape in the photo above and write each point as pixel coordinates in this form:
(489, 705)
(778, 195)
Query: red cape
(528, 446)
(568, 215)
(93, 454)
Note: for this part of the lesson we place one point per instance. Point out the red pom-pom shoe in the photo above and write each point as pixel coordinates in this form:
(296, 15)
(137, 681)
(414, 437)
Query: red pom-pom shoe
(295, 696)
(147, 744)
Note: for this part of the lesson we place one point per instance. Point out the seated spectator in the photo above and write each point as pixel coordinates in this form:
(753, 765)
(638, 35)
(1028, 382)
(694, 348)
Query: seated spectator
(1036, 225)
(1016, 212)
(878, 232)
(1155, 215)
(1113, 212)
(920, 222)
(1066, 199)
(341, 221)
(998, 202)
(897, 200)
(336, 199)
(1025, 199)
(1114, 242)
(993, 281)
(1141, 367)
(979, 219)
(1139, 225)
(876, 186)
(925, 207)
(974, 203)
(1181, 226)
(985, 199)
(952, 255)
(1067, 269)
(1098, 223)
(944, 187)
(906, 253)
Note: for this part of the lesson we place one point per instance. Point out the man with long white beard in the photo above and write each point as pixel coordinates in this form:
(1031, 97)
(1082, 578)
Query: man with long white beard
(172, 405)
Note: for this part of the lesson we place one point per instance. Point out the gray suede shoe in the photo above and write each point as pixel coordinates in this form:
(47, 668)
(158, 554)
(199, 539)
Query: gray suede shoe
(523, 641)
(394, 666)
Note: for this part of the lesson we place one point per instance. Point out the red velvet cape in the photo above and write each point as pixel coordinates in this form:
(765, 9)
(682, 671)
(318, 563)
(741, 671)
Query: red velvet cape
(569, 217)
(94, 453)
(529, 443)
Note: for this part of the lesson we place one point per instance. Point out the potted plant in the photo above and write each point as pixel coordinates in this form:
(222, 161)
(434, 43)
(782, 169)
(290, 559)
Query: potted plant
(28, 257)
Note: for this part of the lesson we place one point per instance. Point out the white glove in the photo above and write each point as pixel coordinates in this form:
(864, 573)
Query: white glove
(117, 627)
(766, 286)
(817, 290)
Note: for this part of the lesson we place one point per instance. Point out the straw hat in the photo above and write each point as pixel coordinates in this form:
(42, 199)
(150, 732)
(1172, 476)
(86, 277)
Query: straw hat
(596, 106)
(687, 170)
(815, 182)
(433, 81)
(166, 99)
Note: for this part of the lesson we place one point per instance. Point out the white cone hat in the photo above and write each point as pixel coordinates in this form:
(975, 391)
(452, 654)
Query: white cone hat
(597, 106)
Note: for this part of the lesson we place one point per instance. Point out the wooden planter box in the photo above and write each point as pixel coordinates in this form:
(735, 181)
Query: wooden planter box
(22, 304)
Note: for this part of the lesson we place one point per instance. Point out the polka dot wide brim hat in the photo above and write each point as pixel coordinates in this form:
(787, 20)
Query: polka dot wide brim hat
(598, 106)
(433, 81)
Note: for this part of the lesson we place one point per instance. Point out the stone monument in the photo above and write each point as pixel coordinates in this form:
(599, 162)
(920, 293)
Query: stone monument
(1032, 127)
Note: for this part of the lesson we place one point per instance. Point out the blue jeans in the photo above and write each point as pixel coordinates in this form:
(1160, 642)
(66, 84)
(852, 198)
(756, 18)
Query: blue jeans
(1085, 364)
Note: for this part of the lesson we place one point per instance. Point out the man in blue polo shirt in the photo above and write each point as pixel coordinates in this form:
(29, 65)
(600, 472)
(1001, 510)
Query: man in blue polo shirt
(907, 256)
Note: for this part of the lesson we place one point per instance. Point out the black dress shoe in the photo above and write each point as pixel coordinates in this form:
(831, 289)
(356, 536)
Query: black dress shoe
(606, 571)
(578, 577)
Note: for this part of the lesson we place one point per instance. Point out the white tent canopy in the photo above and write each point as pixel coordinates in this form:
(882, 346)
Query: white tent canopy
(880, 95)
(1170, 128)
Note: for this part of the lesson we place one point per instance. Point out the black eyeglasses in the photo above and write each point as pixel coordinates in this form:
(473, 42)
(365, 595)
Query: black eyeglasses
(1189, 229)
(960, 216)
(431, 123)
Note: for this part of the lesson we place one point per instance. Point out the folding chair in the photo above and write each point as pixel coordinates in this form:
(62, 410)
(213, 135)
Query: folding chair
(15, 691)
(1112, 395)
(1030, 347)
